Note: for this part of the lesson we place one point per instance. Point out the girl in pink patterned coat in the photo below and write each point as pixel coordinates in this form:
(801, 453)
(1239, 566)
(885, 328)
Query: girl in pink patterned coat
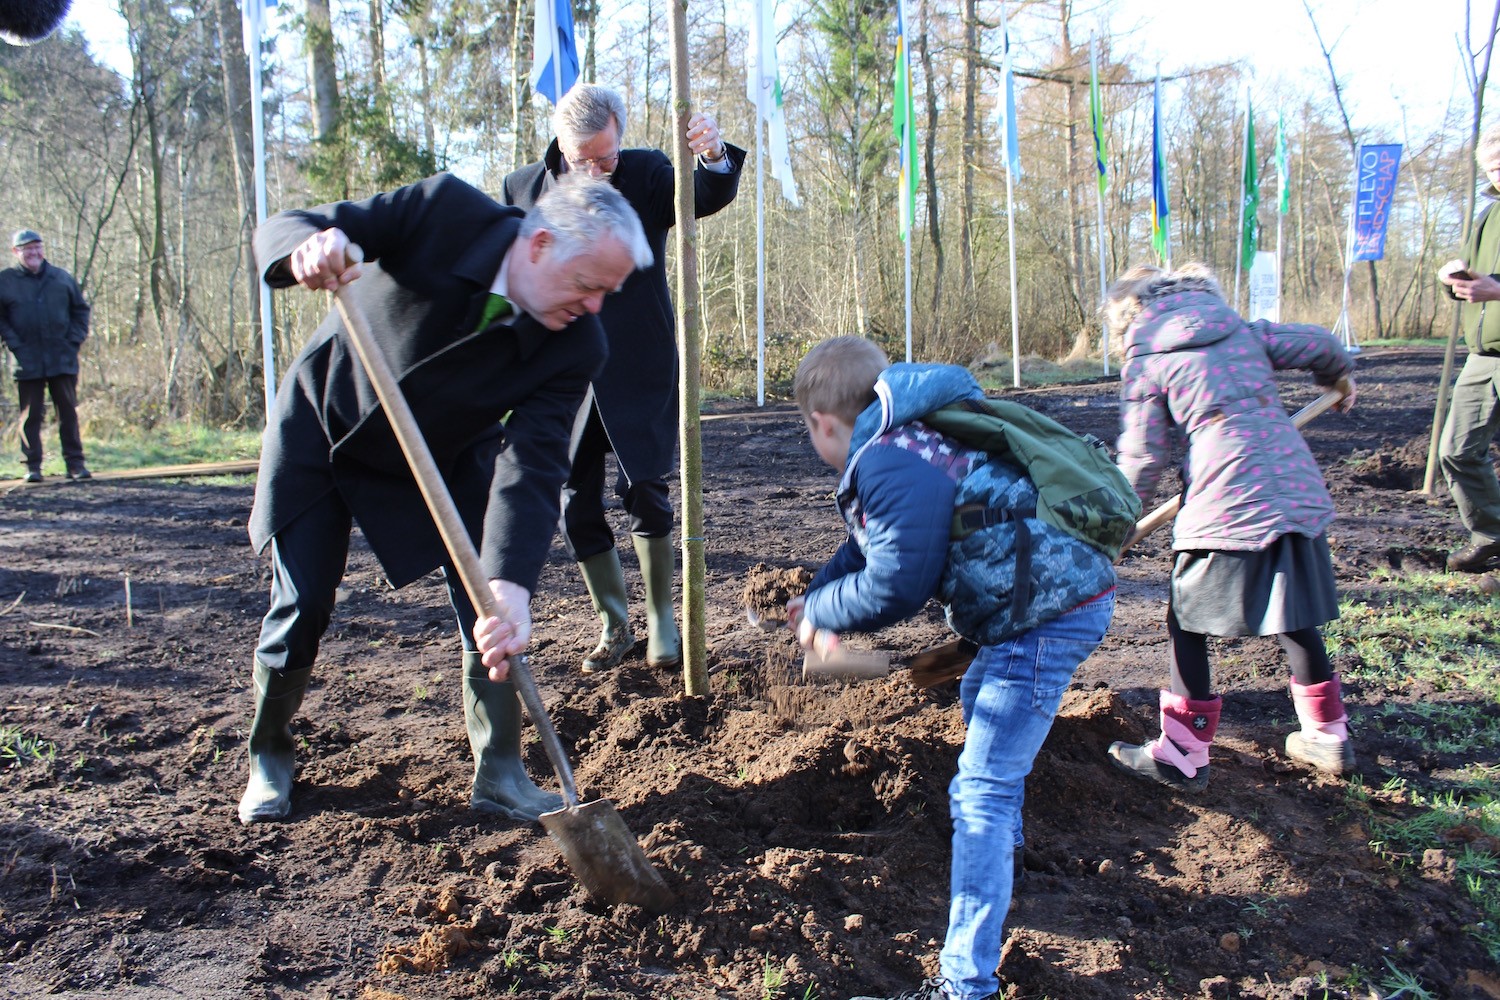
(1251, 556)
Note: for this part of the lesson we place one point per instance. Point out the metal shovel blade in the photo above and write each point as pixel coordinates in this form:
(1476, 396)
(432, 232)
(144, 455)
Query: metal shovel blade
(603, 853)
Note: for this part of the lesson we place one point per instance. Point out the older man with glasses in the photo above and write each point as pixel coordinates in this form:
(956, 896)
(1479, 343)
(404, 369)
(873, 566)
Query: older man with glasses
(44, 320)
(632, 409)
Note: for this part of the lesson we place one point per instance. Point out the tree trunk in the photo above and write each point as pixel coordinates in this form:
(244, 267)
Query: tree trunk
(970, 127)
(322, 70)
(520, 86)
(1075, 210)
(694, 613)
(934, 224)
(235, 73)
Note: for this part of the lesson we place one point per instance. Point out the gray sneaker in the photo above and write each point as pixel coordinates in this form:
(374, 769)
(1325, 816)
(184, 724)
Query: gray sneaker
(34, 475)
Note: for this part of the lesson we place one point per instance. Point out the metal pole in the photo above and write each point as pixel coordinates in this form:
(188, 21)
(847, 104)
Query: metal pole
(761, 159)
(258, 152)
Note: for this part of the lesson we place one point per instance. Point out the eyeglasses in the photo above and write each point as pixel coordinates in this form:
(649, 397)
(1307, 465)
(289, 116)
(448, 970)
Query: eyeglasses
(605, 163)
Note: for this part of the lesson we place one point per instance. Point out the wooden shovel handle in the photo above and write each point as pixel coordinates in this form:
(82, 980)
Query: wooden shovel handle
(1166, 511)
(450, 526)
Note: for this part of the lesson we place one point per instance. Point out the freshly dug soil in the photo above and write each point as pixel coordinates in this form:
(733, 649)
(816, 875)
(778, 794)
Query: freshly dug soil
(804, 828)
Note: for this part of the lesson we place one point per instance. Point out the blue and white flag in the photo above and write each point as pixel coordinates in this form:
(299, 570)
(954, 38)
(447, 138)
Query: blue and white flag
(1375, 169)
(554, 68)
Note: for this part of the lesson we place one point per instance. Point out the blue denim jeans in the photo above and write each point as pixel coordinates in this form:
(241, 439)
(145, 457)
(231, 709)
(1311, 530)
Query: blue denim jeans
(1010, 695)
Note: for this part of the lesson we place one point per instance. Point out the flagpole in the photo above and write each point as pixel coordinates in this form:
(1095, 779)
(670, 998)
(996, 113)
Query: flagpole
(1015, 319)
(256, 11)
(1239, 230)
(760, 215)
(1099, 200)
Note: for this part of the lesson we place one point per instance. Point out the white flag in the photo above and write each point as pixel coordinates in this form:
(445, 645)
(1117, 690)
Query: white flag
(764, 90)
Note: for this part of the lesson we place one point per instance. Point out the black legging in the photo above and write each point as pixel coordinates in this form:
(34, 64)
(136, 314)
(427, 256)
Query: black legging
(1192, 677)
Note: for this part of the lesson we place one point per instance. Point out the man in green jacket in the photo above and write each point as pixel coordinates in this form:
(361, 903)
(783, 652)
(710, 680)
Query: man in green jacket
(44, 321)
(1474, 416)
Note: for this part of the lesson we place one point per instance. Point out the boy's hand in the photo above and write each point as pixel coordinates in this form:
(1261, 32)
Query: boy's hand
(819, 640)
(794, 612)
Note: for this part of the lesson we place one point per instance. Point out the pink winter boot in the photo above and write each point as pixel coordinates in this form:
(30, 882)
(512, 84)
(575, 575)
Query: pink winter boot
(1324, 739)
(1178, 757)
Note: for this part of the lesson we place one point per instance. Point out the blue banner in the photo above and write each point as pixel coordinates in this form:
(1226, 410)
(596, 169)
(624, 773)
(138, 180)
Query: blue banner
(1375, 170)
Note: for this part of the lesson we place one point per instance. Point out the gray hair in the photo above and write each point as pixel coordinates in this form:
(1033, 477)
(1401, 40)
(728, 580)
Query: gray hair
(585, 111)
(580, 211)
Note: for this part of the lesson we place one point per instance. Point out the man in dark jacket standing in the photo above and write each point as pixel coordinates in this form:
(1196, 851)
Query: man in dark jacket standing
(632, 408)
(480, 313)
(44, 321)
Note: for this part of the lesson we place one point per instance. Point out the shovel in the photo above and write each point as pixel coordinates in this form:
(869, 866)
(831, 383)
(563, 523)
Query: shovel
(948, 661)
(835, 663)
(594, 840)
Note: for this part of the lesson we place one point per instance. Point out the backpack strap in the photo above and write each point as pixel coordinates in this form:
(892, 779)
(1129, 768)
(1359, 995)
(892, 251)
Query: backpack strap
(971, 517)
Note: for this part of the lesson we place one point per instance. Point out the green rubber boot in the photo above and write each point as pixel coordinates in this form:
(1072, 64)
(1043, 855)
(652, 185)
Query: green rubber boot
(606, 583)
(278, 695)
(492, 714)
(659, 568)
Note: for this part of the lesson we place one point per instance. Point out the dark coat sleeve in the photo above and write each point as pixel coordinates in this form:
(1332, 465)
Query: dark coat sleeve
(433, 247)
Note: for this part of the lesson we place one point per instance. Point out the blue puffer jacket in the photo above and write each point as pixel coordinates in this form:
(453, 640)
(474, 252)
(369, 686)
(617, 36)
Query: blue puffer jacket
(900, 486)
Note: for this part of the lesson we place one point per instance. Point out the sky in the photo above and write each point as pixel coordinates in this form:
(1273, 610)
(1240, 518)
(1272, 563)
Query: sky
(1391, 61)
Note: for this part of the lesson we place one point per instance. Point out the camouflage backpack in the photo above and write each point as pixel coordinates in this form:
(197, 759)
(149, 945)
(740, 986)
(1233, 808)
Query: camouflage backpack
(1081, 490)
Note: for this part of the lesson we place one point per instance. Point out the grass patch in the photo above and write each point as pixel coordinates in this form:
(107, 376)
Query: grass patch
(174, 444)
(1371, 345)
(167, 444)
(16, 748)
(1424, 635)
(1424, 631)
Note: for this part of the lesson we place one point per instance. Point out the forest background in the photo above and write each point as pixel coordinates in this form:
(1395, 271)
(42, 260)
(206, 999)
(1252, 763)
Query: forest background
(140, 176)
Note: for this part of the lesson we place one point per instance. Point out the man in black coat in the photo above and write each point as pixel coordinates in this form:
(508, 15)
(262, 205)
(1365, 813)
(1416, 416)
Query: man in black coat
(632, 409)
(44, 320)
(481, 313)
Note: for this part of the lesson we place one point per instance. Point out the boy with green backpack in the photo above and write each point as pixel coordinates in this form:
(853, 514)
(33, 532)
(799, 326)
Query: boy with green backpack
(1020, 571)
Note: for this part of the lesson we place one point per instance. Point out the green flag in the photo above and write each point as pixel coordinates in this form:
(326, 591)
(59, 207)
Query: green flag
(906, 127)
(1248, 241)
(1096, 117)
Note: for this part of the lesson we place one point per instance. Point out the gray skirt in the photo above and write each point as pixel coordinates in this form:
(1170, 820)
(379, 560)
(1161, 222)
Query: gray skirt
(1284, 587)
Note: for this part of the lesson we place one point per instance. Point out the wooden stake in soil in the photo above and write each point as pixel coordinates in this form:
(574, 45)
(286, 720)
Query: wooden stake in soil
(690, 442)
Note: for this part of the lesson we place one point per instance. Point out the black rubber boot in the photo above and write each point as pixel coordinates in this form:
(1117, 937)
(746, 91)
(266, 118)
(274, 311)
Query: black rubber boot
(492, 714)
(606, 583)
(659, 568)
(278, 695)
(1137, 760)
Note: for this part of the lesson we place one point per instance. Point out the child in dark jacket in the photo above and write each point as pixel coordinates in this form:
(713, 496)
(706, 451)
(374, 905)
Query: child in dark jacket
(1251, 556)
(899, 481)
